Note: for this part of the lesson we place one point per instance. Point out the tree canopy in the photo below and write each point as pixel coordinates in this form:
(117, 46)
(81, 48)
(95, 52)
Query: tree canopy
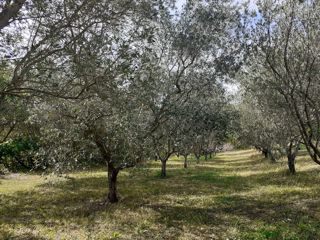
(127, 81)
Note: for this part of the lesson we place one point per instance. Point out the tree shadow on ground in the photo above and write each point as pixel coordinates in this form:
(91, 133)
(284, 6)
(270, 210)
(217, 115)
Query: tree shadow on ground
(9, 235)
(51, 204)
(243, 212)
(199, 196)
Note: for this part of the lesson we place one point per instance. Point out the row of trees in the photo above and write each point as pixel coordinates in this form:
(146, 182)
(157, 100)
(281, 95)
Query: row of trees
(281, 81)
(125, 81)
(121, 80)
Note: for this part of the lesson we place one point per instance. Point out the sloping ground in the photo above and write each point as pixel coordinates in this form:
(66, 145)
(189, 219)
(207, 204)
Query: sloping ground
(236, 195)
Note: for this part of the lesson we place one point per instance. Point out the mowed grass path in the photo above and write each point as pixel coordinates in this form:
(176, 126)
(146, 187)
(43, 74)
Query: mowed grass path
(236, 195)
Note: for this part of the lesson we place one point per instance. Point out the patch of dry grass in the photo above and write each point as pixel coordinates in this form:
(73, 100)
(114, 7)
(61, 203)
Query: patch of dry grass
(236, 195)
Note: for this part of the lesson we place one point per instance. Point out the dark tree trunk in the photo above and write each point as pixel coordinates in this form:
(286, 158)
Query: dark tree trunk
(210, 155)
(292, 151)
(112, 180)
(163, 168)
(291, 163)
(265, 152)
(112, 170)
(206, 156)
(185, 165)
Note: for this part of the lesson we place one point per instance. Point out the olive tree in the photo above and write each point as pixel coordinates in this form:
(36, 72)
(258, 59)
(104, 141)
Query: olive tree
(194, 53)
(286, 44)
(112, 117)
(266, 126)
(107, 77)
(42, 49)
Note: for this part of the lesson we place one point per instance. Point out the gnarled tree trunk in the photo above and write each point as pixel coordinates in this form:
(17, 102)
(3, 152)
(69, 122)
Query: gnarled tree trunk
(292, 151)
(112, 170)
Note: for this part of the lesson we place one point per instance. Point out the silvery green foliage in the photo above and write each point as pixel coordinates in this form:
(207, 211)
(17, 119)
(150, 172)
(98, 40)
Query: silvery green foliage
(45, 42)
(286, 61)
(266, 122)
(205, 121)
(265, 126)
(112, 117)
(110, 77)
(61, 49)
(13, 112)
(196, 54)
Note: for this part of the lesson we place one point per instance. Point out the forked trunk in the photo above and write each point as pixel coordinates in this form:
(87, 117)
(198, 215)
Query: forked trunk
(112, 171)
(292, 151)
(112, 180)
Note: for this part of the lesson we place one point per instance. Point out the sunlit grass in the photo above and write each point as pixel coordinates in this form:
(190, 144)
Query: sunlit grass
(235, 195)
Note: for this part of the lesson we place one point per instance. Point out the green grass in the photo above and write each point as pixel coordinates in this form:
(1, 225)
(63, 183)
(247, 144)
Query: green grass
(236, 195)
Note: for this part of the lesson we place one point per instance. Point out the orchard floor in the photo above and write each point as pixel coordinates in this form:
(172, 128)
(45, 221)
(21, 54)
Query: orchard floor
(236, 195)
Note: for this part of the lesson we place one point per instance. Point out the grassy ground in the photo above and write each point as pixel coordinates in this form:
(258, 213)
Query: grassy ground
(236, 195)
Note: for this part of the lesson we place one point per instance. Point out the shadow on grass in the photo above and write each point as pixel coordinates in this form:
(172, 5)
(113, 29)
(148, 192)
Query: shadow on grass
(194, 197)
(231, 211)
(75, 200)
(8, 235)
(54, 204)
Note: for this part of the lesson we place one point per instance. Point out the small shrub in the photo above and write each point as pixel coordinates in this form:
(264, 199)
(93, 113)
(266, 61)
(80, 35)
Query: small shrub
(18, 154)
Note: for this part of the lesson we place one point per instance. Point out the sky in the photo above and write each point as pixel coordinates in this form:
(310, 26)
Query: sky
(252, 3)
(180, 3)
